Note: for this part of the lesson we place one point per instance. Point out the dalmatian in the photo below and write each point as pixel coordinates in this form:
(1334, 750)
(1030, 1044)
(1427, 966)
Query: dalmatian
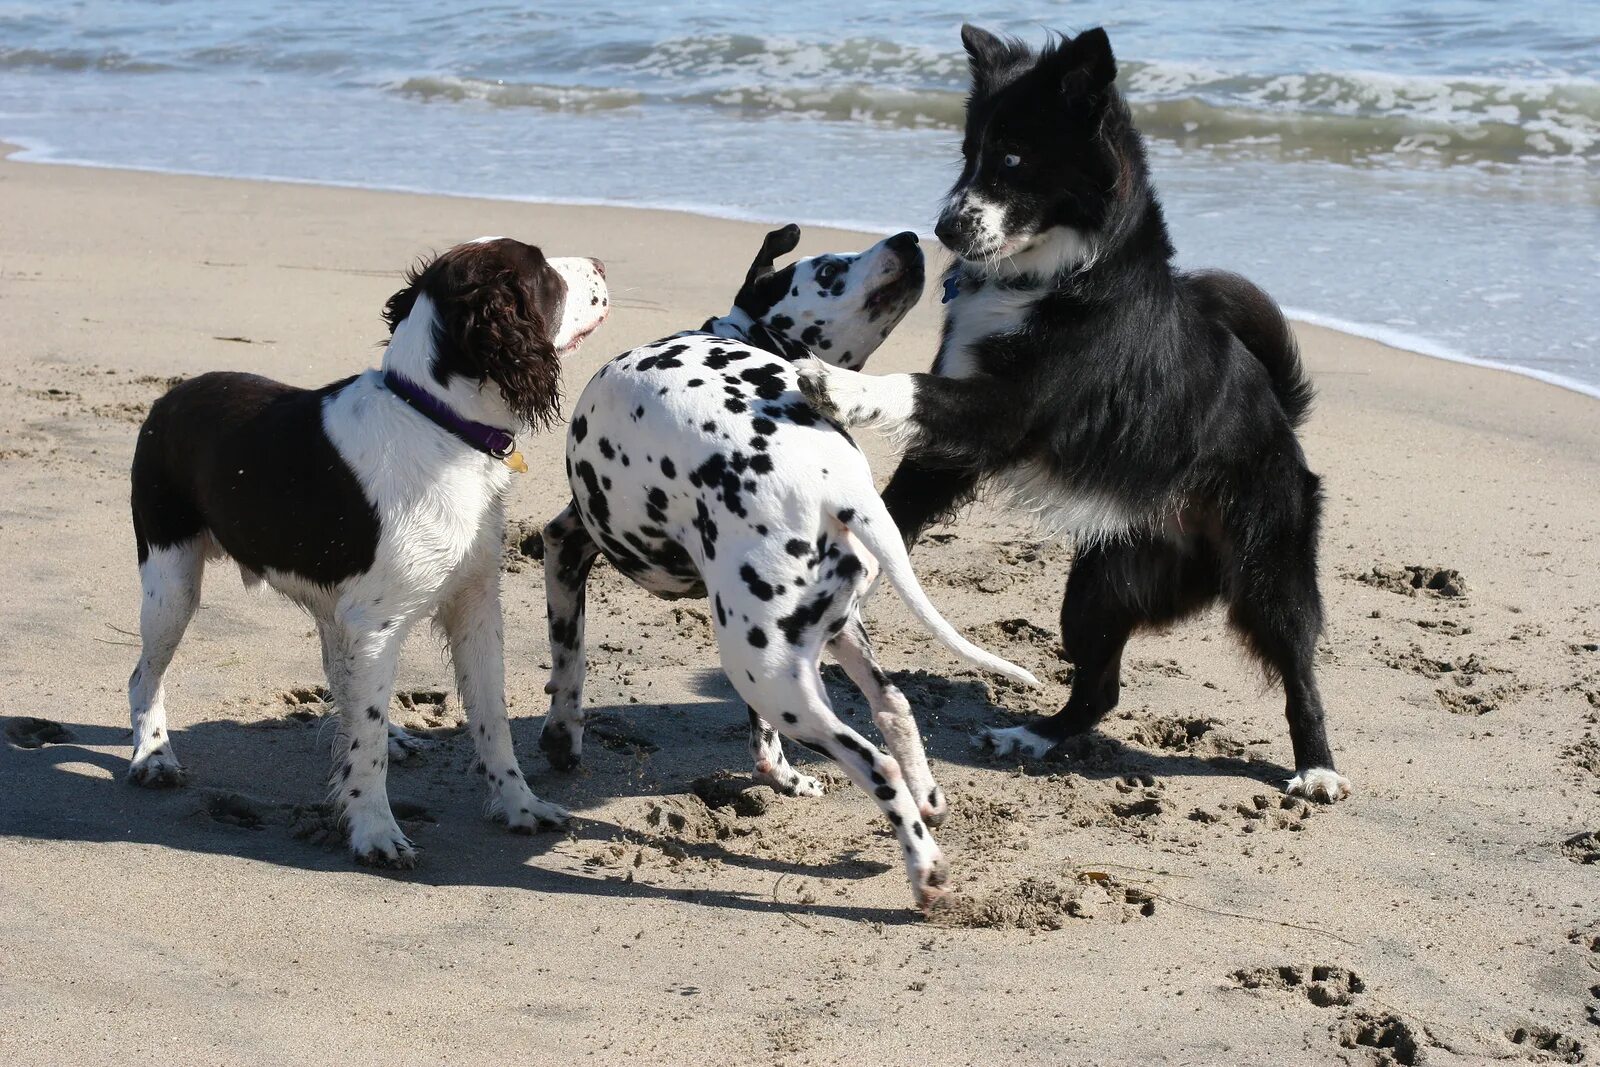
(699, 470)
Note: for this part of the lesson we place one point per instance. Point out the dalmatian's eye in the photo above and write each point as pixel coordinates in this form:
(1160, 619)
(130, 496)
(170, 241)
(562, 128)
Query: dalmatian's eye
(827, 273)
(1012, 160)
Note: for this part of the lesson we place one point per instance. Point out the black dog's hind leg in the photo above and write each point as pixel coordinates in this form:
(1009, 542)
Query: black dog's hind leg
(1276, 606)
(569, 552)
(1096, 622)
(1114, 588)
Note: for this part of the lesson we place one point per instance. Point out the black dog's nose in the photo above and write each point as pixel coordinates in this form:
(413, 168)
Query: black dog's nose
(947, 231)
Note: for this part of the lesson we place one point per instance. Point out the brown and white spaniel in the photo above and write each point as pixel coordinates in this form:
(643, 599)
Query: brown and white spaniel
(373, 503)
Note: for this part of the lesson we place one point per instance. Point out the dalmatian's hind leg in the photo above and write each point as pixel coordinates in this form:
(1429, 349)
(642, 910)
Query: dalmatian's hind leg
(786, 679)
(569, 552)
(891, 711)
(772, 766)
(819, 729)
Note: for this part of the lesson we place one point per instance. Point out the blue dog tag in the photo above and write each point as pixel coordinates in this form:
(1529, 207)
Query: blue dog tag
(952, 288)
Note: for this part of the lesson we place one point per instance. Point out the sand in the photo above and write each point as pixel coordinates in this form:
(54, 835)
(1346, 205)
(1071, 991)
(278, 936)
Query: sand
(1146, 896)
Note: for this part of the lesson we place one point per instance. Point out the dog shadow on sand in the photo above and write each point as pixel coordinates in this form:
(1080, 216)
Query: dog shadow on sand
(66, 783)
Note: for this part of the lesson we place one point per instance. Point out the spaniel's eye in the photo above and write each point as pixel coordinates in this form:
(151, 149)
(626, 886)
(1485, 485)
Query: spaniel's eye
(1012, 160)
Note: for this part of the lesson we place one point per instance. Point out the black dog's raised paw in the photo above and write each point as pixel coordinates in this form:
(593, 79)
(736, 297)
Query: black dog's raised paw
(812, 378)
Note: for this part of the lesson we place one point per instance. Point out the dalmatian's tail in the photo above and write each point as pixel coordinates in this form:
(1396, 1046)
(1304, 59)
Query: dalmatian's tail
(869, 520)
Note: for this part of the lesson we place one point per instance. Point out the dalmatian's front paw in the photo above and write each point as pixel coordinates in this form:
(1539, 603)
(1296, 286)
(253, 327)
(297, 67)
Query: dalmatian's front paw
(788, 781)
(157, 769)
(934, 807)
(402, 745)
(562, 745)
(1319, 783)
(525, 813)
(377, 842)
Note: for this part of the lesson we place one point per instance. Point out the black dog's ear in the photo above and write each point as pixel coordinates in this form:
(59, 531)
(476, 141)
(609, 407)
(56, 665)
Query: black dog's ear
(777, 243)
(984, 49)
(1087, 63)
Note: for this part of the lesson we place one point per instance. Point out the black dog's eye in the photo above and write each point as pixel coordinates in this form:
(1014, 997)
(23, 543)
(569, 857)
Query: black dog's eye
(1012, 160)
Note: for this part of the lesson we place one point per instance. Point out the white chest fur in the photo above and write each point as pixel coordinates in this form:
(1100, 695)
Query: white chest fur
(1030, 487)
(434, 496)
(974, 317)
(1059, 510)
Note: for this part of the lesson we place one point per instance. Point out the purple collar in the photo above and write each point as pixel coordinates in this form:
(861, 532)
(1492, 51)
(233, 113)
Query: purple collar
(490, 440)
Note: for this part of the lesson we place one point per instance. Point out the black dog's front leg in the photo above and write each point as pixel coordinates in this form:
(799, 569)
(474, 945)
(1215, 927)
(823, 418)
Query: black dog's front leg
(972, 422)
(921, 494)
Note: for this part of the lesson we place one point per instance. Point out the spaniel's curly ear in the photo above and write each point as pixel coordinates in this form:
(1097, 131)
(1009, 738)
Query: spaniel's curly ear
(499, 328)
(400, 304)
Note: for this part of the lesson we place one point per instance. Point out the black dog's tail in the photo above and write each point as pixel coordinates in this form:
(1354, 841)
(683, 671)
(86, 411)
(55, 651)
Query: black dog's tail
(1240, 305)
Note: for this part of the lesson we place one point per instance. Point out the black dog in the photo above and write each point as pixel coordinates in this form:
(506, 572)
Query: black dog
(1149, 412)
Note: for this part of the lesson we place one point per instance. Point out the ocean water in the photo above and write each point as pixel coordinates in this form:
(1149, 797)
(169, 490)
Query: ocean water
(1425, 173)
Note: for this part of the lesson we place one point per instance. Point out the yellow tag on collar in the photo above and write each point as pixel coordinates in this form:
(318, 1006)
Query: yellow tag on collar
(517, 463)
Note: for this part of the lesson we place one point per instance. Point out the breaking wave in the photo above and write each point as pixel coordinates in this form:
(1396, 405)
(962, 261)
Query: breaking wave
(1350, 117)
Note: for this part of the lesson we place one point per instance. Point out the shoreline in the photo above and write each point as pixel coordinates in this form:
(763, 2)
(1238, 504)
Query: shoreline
(25, 150)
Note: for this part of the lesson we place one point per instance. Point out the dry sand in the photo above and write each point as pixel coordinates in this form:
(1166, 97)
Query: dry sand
(1147, 896)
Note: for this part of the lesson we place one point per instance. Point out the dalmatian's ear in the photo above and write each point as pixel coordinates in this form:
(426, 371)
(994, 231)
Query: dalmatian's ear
(779, 344)
(777, 243)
